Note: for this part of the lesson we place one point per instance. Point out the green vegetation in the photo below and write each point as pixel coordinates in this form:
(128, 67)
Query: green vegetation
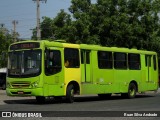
(5, 41)
(122, 23)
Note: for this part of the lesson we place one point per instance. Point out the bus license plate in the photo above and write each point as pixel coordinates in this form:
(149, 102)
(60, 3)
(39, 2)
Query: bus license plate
(20, 92)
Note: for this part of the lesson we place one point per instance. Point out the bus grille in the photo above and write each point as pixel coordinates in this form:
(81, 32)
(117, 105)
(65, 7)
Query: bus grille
(20, 85)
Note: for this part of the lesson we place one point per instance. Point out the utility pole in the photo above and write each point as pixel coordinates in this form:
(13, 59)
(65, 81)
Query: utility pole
(14, 22)
(38, 18)
(2, 27)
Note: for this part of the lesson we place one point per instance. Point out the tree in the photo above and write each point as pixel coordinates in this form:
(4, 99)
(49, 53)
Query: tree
(46, 28)
(61, 26)
(5, 41)
(122, 23)
(56, 28)
(82, 23)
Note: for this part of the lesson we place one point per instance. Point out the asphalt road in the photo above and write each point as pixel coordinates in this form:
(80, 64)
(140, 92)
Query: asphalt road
(87, 106)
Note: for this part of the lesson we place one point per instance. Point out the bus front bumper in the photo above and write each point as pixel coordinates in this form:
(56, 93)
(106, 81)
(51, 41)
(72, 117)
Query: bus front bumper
(24, 92)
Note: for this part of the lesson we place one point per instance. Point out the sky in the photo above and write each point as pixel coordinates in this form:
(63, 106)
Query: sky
(24, 11)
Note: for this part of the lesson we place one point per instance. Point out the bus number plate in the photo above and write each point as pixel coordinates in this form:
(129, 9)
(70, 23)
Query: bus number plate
(20, 92)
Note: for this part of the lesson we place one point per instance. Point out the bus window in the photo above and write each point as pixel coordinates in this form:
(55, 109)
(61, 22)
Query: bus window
(85, 56)
(24, 63)
(134, 61)
(71, 57)
(88, 57)
(82, 57)
(154, 62)
(120, 60)
(148, 60)
(105, 60)
(53, 62)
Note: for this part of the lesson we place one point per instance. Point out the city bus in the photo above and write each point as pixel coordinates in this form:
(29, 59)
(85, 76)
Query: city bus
(62, 70)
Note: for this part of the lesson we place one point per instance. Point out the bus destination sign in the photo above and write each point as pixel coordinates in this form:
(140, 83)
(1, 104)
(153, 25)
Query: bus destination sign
(29, 45)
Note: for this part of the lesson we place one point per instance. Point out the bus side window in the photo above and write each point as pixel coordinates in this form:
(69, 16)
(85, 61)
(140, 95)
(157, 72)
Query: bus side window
(66, 64)
(53, 62)
(148, 60)
(105, 60)
(120, 60)
(154, 62)
(134, 61)
(71, 58)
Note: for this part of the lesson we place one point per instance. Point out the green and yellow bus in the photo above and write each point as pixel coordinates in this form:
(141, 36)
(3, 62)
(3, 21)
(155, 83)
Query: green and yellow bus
(55, 69)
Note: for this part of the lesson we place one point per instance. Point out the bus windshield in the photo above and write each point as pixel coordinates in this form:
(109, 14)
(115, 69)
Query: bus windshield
(25, 63)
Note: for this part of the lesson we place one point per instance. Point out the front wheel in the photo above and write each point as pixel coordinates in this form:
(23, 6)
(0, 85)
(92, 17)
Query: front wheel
(132, 90)
(70, 94)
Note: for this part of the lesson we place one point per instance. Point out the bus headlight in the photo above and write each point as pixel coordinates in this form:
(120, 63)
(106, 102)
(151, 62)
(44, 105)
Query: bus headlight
(35, 84)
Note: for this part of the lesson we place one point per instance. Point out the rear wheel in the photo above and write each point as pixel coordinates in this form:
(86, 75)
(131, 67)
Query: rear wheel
(132, 89)
(70, 94)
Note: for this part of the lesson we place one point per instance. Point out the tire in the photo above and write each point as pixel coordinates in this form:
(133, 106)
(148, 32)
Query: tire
(70, 94)
(104, 96)
(4, 86)
(131, 91)
(40, 99)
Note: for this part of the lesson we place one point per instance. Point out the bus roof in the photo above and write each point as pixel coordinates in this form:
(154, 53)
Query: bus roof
(115, 49)
(61, 43)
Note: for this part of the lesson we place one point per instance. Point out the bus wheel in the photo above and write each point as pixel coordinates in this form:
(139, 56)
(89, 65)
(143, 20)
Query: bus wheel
(131, 91)
(4, 86)
(40, 99)
(104, 96)
(70, 94)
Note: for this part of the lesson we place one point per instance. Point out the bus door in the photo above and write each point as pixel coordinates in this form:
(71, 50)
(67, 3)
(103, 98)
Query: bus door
(53, 68)
(86, 66)
(149, 70)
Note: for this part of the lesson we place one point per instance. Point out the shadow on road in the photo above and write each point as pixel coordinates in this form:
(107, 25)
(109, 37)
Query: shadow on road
(77, 99)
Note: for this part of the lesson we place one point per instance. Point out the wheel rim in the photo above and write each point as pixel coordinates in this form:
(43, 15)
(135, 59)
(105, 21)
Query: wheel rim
(72, 93)
(132, 92)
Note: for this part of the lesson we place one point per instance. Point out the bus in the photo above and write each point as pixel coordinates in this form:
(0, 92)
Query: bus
(62, 70)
